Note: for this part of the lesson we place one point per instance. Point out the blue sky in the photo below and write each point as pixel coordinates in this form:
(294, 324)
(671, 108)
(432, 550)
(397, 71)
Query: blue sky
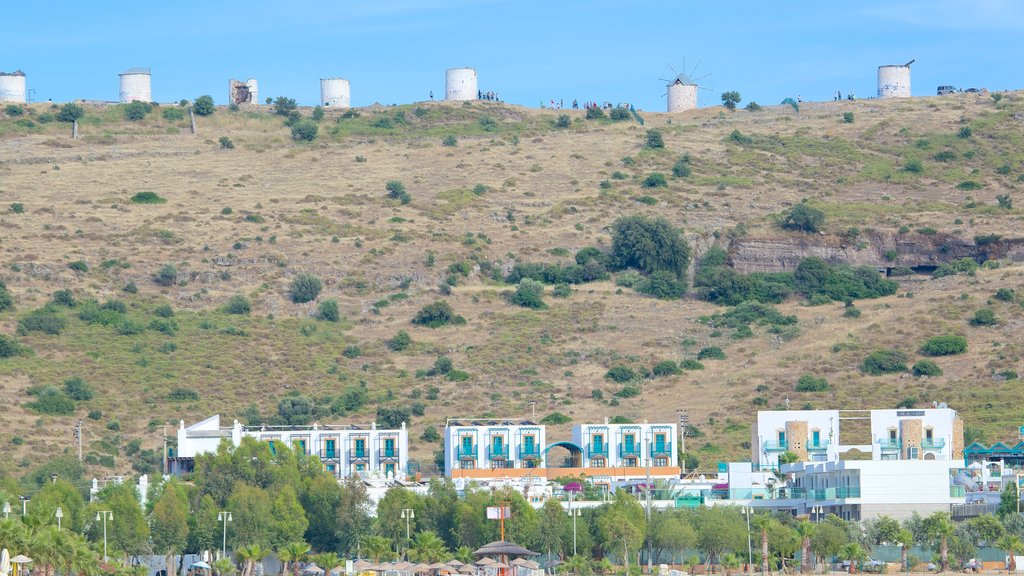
(396, 51)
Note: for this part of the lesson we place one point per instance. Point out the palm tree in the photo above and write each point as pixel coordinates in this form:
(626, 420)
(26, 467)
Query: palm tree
(943, 527)
(326, 560)
(378, 548)
(854, 553)
(13, 534)
(1011, 544)
(44, 549)
(905, 538)
(577, 565)
(805, 529)
(292, 552)
(464, 554)
(81, 558)
(428, 547)
(764, 523)
(730, 562)
(250, 555)
(224, 567)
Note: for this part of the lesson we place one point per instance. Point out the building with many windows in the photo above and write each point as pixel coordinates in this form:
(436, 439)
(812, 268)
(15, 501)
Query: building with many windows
(607, 454)
(344, 449)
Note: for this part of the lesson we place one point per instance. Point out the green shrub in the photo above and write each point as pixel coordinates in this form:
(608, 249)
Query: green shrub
(711, 353)
(663, 285)
(649, 245)
(619, 113)
(628, 392)
(563, 121)
(304, 130)
(284, 106)
(79, 266)
(305, 288)
(815, 276)
(665, 368)
(172, 114)
(164, 311)
(9, 347)
(555, 418)
(6, 300)
(689, 364)
(884, 362)
(226, 144)
(129, 327)
(529, 294)
(17, 208)
(238, 304)
(13, 110)
(203, 106)
(78, 389)
(984, 317)
(396, 191)
(437, 314)
(752, 107)
(965, 132)
(985, 239)
(164, 326)
(594, 113)
(561, 291)
(147, 198)
(317, 114)
(620, 374)
(969, 185)
(41, 320)
(851, 312)
(926, 368)
(655, 139)
(64, 298)
(914, 166)
(328, 310)
(399, 341)
(1004, 201)
(730, 99)
(808, 383)
(137, 110)
(655, 180)
(802, 218)
(944, 345)
(737, 137)
(167, 275)
(848, 117)
(352, 351)
(254, 218)
(450, 141)
(682, 169)
(962, 266)
(53, 402)
(1002, 294)
(70, 112)
(944, 156)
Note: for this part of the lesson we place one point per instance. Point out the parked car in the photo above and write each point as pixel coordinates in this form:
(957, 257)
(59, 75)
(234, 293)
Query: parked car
(945, 89)
(973, 90)
(869, 565)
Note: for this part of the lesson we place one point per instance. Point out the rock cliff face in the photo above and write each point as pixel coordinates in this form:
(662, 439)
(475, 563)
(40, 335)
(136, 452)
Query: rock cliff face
(783, 254)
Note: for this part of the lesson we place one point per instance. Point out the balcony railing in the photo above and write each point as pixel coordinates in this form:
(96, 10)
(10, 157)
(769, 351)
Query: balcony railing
(834, 493)
(889, 444)
(775, 446)
(494, 452)
(629, 449)
(933, 444)
(529, 452)
(661, 449)
(819, 446)
(357, 454)
(598, 450)
(956, 491)
(330, 453)
(388, 453)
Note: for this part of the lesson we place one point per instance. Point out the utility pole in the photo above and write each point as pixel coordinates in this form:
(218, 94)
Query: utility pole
(165, 450)
(684, 422)
(650, 541)
(224, 517)
(78, 438)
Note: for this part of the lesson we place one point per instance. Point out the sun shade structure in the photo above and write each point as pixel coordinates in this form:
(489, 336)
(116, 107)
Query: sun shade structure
(502, 548)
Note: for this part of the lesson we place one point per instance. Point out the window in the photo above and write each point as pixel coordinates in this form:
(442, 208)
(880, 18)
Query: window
(389, 469)
(360, 448)
(629, 462)
(389, 448)
(330, 468)
(466, 450)
(360, 467)
(497, 446)
(531, 463)
(661, 461)
(467, 464)
(912, 453)
(892, 435)
(273, 449)
(929, 434)
(329, 449)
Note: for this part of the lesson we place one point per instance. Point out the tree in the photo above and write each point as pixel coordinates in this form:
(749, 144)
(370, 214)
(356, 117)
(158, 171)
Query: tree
(129, 534)
(53, 494)
(378, 548)
(396, 191)
(654, 139)
(284, 105)
(802, 218)
(250, 555)
(671, 531)
(1008, 501)
(435, 315)
(553, 526)
(940, 526)
(730, 99)
(905, 538)
(204, 530)
(619, 528)
(529, 294)
(328, 310)
(649, 245)
(320, 500)
(828, 540)
(251, 508)
(882, 530)
(305, 288)
(224, 567)
(70, 112)
(427, 548)
(805, 529)
(287, 522)
(1012, 544)
(291, 554)
(719, 530)
(764, 523)
(304, 130)
(855, 554)
(353, 518)
(169, 523)
(203, 106)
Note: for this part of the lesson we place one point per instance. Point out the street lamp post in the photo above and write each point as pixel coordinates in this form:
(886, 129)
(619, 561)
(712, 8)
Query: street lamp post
(408, 514)
(224, 517)
(105, 515)
(59, 514)
(24, 505)
(750, 550)
(574, 512)
(7, 509)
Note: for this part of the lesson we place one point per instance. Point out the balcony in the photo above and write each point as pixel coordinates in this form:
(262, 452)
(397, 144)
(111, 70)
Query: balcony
(469, 451)
(597, 450)
(330, 453)
(834, 493)
(661, 449)
(933, 444)
(497, 452)
(629, 450)
(956, 491)
(819, 446)
(526, 452)
(775, 446)
(889, 445)
(388, 454)
(357, 454)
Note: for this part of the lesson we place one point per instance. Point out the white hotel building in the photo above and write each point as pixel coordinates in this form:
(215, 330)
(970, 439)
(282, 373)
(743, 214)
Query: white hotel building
(344, 449)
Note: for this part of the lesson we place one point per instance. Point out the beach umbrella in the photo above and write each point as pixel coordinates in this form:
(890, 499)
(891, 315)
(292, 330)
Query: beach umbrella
(486, 561)
(201, 565)
(312, 569)
(456, 563)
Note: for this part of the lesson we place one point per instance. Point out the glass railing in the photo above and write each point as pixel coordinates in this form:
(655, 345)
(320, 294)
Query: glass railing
(598, 449)
(933, 444)
(956, 491)
(819, 446)
(629, 449)
(888, 444)
(834, 493)
(497, 452)
(775, 446)
(467, 451)
(529, 452)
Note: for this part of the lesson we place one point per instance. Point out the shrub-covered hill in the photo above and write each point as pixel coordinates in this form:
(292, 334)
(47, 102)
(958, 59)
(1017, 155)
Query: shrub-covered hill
(416, 262)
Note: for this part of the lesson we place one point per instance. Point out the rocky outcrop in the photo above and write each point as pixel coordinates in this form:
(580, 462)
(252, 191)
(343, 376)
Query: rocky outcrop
(876, 249)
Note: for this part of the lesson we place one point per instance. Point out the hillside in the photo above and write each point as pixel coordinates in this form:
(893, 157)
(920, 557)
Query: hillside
(920, 177)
